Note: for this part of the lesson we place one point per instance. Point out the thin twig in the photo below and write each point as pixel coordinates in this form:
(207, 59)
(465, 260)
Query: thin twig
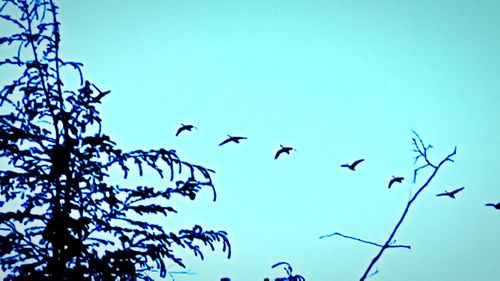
(188, 272)
(363, 241)
(373, 273)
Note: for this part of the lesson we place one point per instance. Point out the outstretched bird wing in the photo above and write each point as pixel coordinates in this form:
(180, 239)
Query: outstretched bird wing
(457, 190)
(225, 141)
(357, 162)
(278, 154)
(391, 182)
(180, 130)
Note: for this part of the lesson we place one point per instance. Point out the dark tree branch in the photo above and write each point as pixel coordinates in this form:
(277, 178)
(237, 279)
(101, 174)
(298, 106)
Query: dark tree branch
(421, 150)
(37, 61)
(363, 241)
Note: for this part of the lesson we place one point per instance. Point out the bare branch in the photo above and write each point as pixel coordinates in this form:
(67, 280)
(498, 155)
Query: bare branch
(421, 150)
(363, 241)
(184, 272)
(415, 172)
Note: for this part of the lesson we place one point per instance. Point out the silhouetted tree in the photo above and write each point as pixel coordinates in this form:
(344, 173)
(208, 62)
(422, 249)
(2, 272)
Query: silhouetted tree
(61, 217)
(421, 151)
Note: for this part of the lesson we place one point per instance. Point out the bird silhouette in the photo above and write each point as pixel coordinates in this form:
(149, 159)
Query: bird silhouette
(451, 194)
(232, 139)
(395, 179)
(496, 206)
(283, 149)
(353, 165)
(184, 128)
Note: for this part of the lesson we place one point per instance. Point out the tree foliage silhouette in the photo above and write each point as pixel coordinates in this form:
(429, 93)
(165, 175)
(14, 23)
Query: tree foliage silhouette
(61, 217)
(289, 272)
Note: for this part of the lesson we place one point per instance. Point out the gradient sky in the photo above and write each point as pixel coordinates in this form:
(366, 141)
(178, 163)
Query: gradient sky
(337, 80)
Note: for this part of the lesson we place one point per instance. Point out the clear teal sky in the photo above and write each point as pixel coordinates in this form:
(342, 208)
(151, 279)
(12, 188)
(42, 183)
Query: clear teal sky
(338, 80)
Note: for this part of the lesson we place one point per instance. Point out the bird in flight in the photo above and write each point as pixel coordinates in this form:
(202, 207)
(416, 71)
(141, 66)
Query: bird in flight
(283, 149)
(232, 139)
(184, 128)
(353, 165)
(395, 179)
(496, 206)
(451, 194)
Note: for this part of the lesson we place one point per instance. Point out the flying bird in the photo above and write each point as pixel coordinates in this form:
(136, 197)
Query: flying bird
(232, 139)
(353, 165)
(451, 194)
(395, 179)
(283, 149)
(184, 128)
(496, 206)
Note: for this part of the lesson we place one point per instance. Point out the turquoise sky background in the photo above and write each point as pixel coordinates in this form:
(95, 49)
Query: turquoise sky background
(337, 80)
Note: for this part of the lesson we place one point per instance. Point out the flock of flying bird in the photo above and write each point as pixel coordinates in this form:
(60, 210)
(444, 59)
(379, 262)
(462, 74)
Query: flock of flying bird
(283, 149)
(352, 167)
